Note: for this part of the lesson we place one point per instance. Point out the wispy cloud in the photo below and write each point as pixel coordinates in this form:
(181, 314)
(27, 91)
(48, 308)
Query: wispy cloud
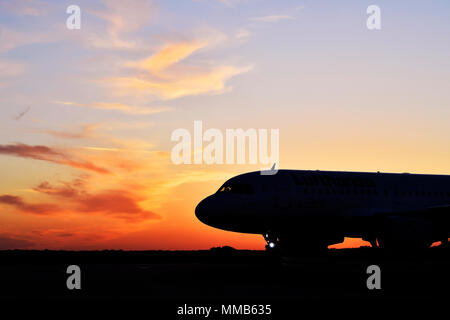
(25, 7)
(117, 106)
(66, 189)
(229, 3)
(49, 154)
(167, 56)
(122, 18)
(10, 68)
(162, 74)
(207, 82)
(119, 203)
(8, 242)
(127, 16)
(243, 34)
(86, 131)
(272, 18)
(115, 203)
(11, 39)
(20, 204)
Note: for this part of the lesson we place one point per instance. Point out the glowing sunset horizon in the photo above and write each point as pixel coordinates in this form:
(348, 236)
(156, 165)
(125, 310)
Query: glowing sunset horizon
(88, 113)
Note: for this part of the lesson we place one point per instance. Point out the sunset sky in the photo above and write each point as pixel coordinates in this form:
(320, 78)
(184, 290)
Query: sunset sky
(86, 115)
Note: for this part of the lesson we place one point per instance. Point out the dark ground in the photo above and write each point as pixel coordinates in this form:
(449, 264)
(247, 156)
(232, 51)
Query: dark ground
(167, 279)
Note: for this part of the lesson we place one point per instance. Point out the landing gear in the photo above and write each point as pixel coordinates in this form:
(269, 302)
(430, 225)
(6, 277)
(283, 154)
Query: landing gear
(409, 234)
(374, 241)
(273, 241)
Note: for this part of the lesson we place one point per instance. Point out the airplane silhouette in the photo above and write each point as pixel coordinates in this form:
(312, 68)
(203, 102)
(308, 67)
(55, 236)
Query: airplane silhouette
(297, 209)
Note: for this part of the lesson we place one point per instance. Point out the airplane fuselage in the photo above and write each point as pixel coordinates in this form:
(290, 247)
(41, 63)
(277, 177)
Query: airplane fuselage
(296, 207)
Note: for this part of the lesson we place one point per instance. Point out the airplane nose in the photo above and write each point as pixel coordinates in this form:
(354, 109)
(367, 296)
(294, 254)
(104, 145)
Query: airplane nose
(209, 210)
(219, 212)
(201, 211)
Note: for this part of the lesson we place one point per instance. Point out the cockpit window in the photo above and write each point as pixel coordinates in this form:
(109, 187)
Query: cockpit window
(236, 188)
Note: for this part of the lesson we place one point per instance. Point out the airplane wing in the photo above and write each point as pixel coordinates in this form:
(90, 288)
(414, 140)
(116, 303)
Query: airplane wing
(435, 212)
(415, 221)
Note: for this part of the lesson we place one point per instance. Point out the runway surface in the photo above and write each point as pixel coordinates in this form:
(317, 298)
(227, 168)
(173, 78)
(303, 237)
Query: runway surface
(224, 276)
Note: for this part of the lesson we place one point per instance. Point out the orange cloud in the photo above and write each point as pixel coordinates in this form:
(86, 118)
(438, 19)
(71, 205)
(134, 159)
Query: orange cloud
(116, 106)
(180, 84)
(128, 108)
(120, 203)
(21, 205)
(84, 132)
(116, 203)
(48, 154)
(168, 56)
(68, 190)
(8, 242)
(25, 151)
(164, 76)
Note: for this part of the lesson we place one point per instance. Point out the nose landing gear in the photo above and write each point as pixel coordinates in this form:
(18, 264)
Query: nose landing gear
(273, 241)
